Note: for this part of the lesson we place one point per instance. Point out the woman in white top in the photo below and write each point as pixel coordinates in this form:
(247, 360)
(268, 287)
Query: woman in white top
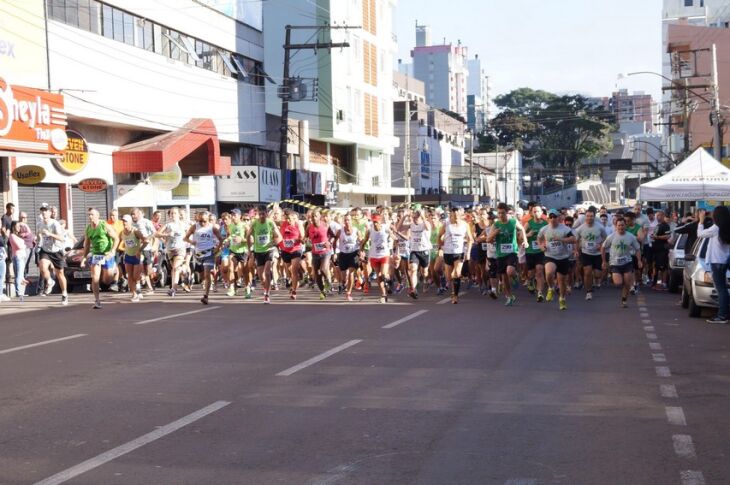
(456, 240)
(379, 255)
(718, 254)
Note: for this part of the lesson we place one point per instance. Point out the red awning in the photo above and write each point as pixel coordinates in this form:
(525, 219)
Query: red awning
(194, 147)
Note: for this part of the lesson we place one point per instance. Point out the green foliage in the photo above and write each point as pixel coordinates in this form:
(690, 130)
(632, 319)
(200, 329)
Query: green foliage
(558, 131)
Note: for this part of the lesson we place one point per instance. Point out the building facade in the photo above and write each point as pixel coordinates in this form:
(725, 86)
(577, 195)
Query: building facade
(350, 118)
(445, 72)
(634, 107)
(163, 100)
(478, 96)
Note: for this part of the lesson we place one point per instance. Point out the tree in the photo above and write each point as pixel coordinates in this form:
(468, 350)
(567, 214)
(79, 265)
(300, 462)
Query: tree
(559, 131)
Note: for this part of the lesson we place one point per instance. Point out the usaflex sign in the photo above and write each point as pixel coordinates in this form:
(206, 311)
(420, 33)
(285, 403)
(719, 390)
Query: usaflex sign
(29, 174)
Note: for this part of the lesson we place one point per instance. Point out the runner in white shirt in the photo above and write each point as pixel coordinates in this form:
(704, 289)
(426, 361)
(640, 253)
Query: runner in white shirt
(347, 242)
(455, 239)
(205, 237)
(379, 254)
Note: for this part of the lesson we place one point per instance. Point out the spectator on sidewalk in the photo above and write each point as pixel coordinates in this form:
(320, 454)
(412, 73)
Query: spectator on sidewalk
(19, 252)
(3, 263)
(28, 237)
(718, 253)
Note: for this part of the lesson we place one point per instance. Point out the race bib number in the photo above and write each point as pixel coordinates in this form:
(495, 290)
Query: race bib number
(130, 243)
(403, 246)
(417, 240)
(97, 259)
(506, 248)
(555, 245)
(591, 245)
(380, 248)
(263, 239)
(485, 247)
(536, 246)
(289, 243)
(621, 260)
(320, 246)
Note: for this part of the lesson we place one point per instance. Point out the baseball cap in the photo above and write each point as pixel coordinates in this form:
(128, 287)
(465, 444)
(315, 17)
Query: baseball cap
(44, 207)
(553, 212)
(375, 218)
(236, 211)
(127, 218)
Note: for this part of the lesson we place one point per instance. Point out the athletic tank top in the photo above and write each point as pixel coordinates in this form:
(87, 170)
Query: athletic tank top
(291, 238)
(379, 243)
(420, 238)
(101, 243)
(319, 237)
(131, 243)
(348, 243)
(507, 238)
(204, 238)
(455, 237)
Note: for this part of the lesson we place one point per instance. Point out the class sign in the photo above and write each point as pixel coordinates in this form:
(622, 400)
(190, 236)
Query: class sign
(75, 156)
(31, 120)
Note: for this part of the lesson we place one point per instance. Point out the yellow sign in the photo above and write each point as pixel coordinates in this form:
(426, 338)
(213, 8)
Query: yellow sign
(75, 156)
(29, 174)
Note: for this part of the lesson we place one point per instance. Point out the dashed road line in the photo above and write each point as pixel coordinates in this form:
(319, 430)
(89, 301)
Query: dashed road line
(444, 301)
(644, 315)
(651, 336)
(521, 481)
(646, 321)
(683, 446)
(668, 391)
(655, 346)
(663, 371)
(45, 342)
(176, 315)
(405, 319)
(692, 477)
(675, 415)
(114, 453)
(649, 328)
(659, 357)
(317, 358)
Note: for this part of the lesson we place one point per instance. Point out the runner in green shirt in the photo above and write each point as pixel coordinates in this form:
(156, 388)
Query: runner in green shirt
(506, 233)
(534, 255)
(238, 245)
(635, 228)
(265, 238)
(101, 243)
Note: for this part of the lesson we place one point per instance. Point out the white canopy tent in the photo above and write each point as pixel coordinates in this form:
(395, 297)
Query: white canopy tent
(699, 177)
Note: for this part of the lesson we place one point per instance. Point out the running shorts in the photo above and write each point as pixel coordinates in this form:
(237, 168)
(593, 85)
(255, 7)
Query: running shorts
(57, 259)
(263, 258)
(563, 265)
(450, 259)
(591, 260)
(348, 261)
(505, 262)
(421, 258)
(288, 257)
(534, 260)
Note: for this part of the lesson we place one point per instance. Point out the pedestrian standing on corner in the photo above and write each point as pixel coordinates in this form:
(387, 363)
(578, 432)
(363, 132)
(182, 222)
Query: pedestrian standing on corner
(718, 253)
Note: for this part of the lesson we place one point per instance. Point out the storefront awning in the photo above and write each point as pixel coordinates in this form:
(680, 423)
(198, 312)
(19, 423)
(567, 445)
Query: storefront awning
(194, 147)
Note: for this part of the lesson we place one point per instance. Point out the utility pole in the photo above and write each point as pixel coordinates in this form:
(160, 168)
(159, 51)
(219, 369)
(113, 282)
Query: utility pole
(685, 117)
(407, 157)
(716, 106)
(474, 195)
(286, 83)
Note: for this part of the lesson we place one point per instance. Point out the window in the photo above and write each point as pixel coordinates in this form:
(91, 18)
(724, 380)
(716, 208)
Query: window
(118, 25)
(689, 3)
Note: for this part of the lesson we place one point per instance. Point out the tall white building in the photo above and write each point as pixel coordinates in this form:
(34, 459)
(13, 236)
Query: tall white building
(351, 117)
(444, 70)
(478, 96)
(147, 89)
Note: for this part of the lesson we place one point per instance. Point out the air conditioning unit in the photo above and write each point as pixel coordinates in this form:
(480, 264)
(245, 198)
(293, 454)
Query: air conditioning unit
(141, 22)
(340, 115)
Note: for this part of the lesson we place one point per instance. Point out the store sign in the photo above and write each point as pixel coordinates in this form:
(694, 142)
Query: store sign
(241, 186)
(269, 184)
(167, 180)
(92, 185)
(31, 120)
(75, 156)
(29, 174)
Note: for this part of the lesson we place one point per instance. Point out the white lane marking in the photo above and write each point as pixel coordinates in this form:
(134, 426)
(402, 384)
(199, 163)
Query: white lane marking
(683, 446)
(659, 357)
(114, 453)
(646, 321)
(45, 342)
(663, 372)
(651, 336)
(692, 477)
(168, 317)
(655, 346)
(675, 415)
(405, 319)
(668, 391)
(318, 358)
(521, 481)
(445, 300)
(644, 315)
(649, 328)
(643, 309)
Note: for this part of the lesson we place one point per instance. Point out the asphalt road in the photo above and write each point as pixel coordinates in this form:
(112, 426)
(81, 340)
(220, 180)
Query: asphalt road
(171, 392)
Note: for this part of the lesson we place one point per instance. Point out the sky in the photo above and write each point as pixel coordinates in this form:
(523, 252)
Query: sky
(576, 46)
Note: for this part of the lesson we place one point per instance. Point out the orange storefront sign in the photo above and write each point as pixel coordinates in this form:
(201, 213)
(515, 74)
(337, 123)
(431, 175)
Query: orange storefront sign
(31, 120)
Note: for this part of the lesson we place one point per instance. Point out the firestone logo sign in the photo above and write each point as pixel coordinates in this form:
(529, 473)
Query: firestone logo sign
(31, 120)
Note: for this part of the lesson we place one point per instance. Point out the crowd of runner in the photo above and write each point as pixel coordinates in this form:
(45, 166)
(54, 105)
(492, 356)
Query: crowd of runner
(384, 251)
